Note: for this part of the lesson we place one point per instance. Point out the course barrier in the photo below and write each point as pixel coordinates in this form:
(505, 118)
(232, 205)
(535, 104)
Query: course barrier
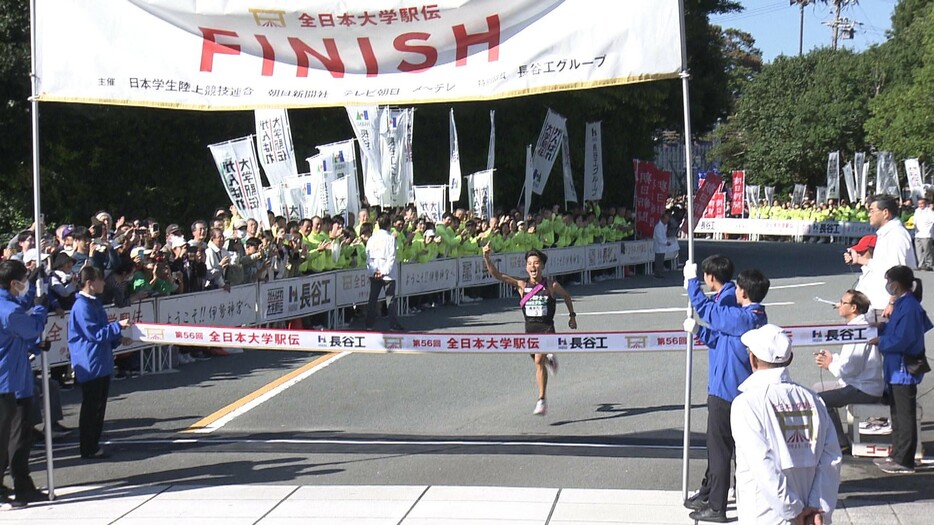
(329, 293)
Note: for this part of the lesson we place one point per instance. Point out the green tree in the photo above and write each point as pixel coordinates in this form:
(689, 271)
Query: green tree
(793, 113)
(902, 118)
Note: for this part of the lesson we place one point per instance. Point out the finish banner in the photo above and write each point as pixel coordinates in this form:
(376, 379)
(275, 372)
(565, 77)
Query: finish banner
(460, 343)
(240, 54)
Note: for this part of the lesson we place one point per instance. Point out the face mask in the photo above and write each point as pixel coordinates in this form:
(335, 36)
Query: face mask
(890, 288)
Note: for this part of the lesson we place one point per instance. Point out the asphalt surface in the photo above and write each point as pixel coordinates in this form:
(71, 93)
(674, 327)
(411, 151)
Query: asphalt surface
(614, 420)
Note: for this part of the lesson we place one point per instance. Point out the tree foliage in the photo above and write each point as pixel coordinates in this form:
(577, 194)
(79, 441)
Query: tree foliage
(903, 114)
(796, 111)
(151, 162)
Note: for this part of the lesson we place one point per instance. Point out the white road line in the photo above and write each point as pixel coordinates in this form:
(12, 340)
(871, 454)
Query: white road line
(780, 287)
(372, 442)
(267, 396)
(661, 310)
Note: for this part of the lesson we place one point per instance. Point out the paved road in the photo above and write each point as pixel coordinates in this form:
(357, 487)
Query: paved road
(614, 421)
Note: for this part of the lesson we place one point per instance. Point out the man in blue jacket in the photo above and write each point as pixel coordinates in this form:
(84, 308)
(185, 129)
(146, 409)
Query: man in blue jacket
(91, 342)
(728, 364)
(718, 276)
(19, 332)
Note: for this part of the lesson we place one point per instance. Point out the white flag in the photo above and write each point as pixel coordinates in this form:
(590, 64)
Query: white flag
(752, 196)
(859, 158)
(274, 200)
(429, 201)
(833, 175)
(528, 179)
(236, 164)
(365, 121)
(490, 155)
(293, 197)
(480, 191)
(454, 178)
(341, 159)
(915, 181)
(850, 181)
(274, 141)
(865, 188)
(821, 194)
(770, 194)
(570, 193)
(797, 196)
(593, 162)
(318, 200)
(408, 172)
(887, 175)
(546, 150)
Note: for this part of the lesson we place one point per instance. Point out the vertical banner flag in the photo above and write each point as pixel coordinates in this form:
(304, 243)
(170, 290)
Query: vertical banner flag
(752, 197)
(708, 186)
(739, 193)
(480, 191)
(274, 140)
(546, 150)
(340, 196)
(365, 121)
(833, 175)
(317, 195)
(275, 201)
(652, 186)
(570, 193)
(293, 196)
(408, 174)
(915, 182)
(392, 153)
(821, 194)
(850, 182)
(527, 188)
(429, 201)
(770, 194)
(864, 189)
(797, 196)
(454, 177)
(341, 160)
(716, 208)
(236, 164)
(491, 152)
(859, 158)
(593, 162)
(887, 175)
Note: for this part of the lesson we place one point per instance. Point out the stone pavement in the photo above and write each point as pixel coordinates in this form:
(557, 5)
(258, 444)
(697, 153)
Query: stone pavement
(395, 505)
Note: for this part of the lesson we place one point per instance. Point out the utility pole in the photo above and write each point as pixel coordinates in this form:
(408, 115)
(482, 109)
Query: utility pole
(801, 3)
(836, 22)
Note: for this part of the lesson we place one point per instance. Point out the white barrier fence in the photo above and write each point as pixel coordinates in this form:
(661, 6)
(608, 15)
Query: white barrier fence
(330, 292)
(784, 228)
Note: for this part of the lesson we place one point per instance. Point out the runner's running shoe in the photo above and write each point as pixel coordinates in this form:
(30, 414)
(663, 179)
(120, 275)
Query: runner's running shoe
(540, 408)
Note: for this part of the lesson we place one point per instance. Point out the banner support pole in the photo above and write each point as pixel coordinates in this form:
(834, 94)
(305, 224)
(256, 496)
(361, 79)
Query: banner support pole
(689, 311)
(37, 205)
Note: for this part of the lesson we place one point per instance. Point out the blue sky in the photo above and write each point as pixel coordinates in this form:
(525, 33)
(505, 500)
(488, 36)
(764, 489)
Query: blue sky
(775, 24)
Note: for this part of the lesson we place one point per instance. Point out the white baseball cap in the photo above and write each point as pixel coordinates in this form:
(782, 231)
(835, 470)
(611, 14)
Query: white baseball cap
(769, 343)
(177, 242)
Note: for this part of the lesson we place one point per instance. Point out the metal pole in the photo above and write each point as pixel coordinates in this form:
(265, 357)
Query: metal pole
(801, 31)
(37, 205)
(689, 311)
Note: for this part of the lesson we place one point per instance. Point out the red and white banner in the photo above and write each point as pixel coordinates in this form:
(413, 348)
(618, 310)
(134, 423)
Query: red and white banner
(236, 164)
(651, 195)
(237, 54)
(460, 343)
(707, 188)
(738, 193)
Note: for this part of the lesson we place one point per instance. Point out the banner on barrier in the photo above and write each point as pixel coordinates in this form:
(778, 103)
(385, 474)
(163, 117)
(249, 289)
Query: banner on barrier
(215, 307)
(637, 252)
(601, 256)
(56, 329)
(353, 287)
(565, 260)
(462, 343)
(434, 276)
(297, 297)
(789, 227)
(471, 271)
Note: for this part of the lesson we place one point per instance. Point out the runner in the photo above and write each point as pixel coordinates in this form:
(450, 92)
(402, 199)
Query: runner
(538, 307)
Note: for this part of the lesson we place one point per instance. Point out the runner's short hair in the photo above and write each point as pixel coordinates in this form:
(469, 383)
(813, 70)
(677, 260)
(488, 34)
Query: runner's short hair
(537, 253)
(719, 266)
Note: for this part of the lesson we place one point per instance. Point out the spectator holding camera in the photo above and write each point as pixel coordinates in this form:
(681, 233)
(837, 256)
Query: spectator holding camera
(217, 260)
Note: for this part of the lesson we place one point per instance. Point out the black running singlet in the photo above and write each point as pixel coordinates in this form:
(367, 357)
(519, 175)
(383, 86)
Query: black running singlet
(539, 310)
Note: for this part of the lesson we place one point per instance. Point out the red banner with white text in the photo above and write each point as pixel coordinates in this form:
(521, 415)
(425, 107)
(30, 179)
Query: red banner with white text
(652, 185)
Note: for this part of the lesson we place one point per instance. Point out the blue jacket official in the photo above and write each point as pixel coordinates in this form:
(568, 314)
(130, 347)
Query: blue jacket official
(19, 332)
(91, 339)
(903, 335)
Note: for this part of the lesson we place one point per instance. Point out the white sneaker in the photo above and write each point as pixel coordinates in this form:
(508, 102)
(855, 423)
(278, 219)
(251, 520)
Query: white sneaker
(877, 429)
(540, 408)
(551, 363)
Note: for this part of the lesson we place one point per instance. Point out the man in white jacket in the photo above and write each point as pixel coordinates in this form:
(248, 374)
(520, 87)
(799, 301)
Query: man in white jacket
(787, 456)
(857, 369)
(660, 243)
